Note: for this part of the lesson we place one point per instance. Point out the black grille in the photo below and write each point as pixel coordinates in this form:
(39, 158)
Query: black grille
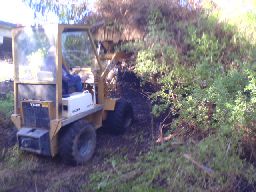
(35, 116)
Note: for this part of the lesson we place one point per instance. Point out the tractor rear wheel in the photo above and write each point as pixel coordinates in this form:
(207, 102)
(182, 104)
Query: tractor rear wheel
(120, 119)
(77, 143)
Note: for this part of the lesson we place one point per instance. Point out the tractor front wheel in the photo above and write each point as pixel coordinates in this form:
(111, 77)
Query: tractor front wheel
(77, 143)
(120, 119)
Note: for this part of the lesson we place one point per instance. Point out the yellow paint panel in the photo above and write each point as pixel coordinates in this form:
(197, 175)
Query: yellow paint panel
(45, 104)
(109, 104)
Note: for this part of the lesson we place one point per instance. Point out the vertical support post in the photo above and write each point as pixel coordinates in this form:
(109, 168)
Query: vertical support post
(56, 124)
(101, 91)
(16, 73)
(59, 73)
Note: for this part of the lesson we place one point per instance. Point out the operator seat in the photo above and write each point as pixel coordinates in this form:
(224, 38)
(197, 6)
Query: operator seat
(70, 83)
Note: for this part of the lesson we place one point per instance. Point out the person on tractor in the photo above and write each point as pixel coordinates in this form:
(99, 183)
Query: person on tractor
(70, 83)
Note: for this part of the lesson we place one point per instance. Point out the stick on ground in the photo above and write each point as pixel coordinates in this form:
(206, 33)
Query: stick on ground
(207, 170)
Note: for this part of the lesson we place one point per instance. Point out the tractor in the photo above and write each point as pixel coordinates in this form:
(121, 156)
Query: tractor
(61, 92)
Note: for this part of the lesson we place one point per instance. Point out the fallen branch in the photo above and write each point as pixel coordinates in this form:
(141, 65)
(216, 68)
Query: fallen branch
(130, 175)
(177, 143)
(207, 170)
(161, 139)
(4, 151)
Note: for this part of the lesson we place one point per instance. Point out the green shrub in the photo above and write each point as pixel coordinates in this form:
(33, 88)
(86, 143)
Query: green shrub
(212, 86)
(6, 105)
(205, 47)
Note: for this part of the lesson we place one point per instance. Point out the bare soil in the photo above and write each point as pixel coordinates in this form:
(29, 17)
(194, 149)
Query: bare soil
(7, 133)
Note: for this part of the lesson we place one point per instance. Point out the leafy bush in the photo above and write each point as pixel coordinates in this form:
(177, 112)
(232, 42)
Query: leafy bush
(211, 84)
(204, 47)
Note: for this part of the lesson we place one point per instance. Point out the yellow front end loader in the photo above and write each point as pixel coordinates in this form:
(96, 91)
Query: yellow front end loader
(60, 92)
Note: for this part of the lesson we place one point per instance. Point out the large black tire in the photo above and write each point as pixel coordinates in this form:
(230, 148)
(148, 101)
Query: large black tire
(120, 119)
(77, 143)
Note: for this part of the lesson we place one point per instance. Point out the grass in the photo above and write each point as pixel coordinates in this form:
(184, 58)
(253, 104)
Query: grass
(15, 169)
(164, 168)
(6, 105)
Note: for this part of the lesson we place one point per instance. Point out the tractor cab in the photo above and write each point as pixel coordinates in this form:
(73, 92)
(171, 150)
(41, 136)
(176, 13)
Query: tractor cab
(59, 83)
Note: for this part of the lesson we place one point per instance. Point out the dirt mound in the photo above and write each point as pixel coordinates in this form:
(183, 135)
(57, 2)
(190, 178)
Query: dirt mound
(7, 133)
(128, 20)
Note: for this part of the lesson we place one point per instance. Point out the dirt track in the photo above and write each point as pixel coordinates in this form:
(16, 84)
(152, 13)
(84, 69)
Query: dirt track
(44, 173)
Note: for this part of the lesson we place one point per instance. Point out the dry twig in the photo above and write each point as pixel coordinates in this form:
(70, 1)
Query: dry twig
(207, 170)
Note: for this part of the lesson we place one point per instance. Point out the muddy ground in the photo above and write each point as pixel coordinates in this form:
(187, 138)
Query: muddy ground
(7, 133)
(44, 173)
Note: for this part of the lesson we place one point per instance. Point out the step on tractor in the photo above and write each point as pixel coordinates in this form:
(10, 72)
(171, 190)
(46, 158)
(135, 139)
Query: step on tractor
(61, 92)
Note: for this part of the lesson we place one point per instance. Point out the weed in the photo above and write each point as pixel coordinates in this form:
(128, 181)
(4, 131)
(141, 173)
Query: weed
(6, 105)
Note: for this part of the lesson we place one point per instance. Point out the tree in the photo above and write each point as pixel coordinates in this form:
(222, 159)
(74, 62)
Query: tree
(68, 12)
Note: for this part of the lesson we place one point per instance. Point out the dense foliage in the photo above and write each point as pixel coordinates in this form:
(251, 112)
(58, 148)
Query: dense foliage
(207, 77)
